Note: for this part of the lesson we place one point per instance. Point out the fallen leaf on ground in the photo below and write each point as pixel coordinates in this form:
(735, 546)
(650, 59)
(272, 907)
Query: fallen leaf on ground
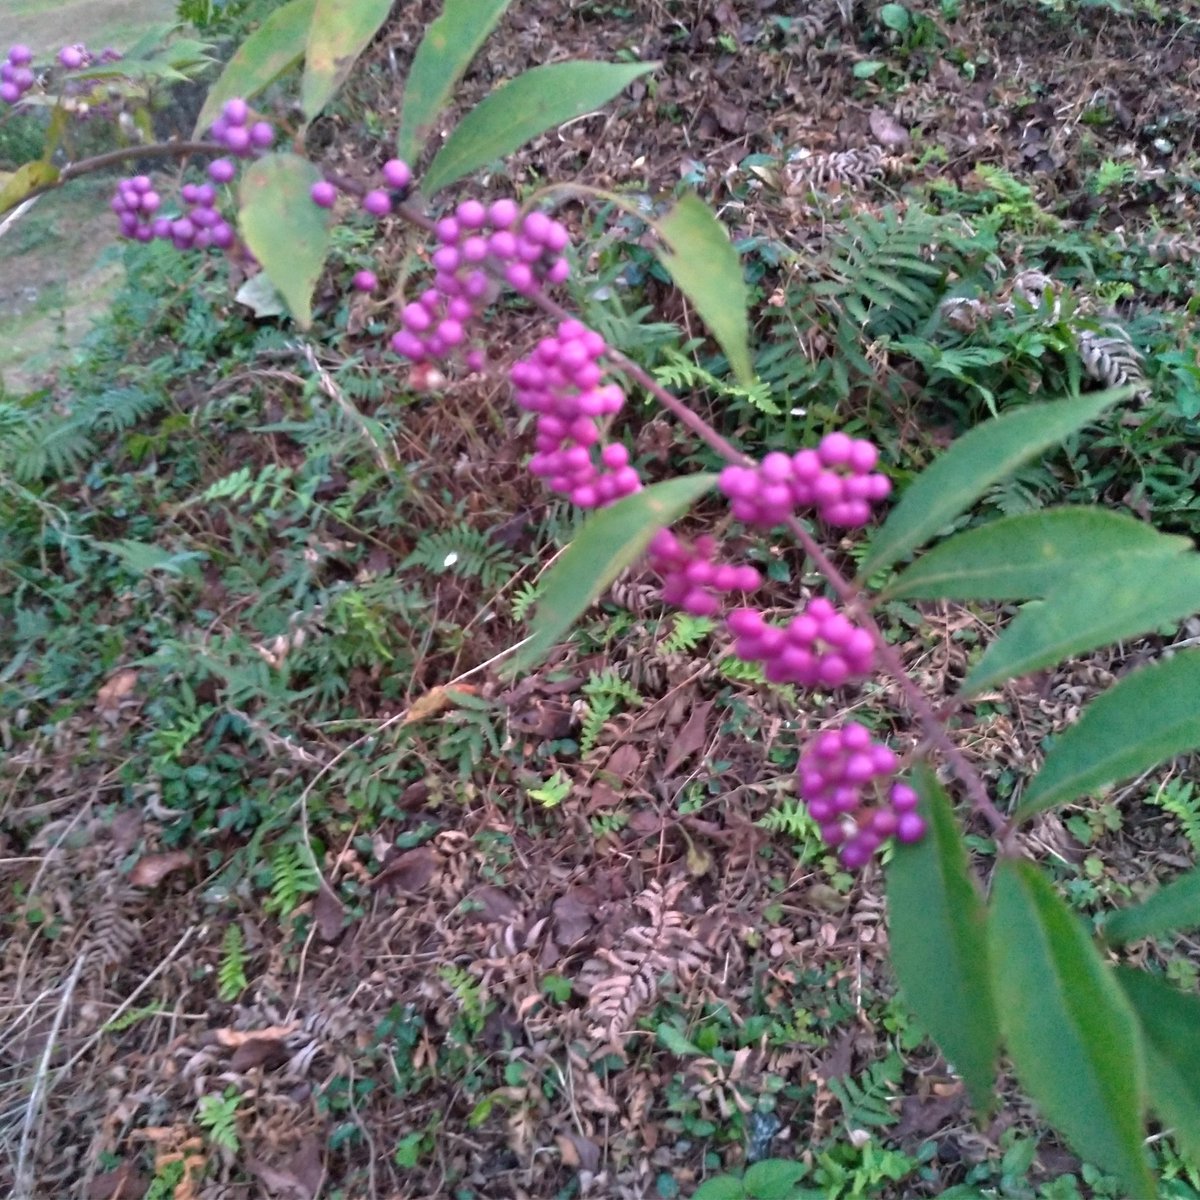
(154, 868)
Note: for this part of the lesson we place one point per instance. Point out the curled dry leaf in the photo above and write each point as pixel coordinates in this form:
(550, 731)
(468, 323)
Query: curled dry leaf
(233, 1038)
(154, 868)
(115, 689)
(435, 701)
(329, 913)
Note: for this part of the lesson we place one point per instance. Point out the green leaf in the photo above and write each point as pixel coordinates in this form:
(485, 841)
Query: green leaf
(1174, 906)
(895, 16)
(520, 109)
(25, 179)
(671, 1039)
(141, 558)
(339, 33)
(773, 1179)
(1018, 558)
(989, 452)
(440, 62)
(1170, 1021)
(277, 44)
(938, 937)
(287, 233)
(1092, 609)
(1150, 715)
(706, 268)
(608, 542)
(1070, 1031)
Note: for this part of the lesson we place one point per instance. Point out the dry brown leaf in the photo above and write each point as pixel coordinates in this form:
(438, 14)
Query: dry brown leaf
(691, 738)
(578, 1152)
(258, 1052)
(124, 1183)
(624, 761)
(495, 904)
(329, 913)
(231, 1039)
(154, 868)
(115, 689)
(409, 871)
(435, 701)
(574, 913)
(887, 131)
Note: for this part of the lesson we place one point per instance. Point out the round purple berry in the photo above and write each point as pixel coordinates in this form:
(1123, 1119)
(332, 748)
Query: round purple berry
(221, 170)
(397, 174)
(323, 193)
(365, 281)
(235, 111)
(377, 202)
(262, 135)
(71, 57)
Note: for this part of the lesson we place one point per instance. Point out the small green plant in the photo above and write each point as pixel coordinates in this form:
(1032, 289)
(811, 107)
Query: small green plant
(218, 1116)
(231, 973)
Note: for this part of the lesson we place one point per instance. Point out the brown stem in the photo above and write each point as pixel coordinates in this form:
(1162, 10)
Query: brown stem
(86, 166)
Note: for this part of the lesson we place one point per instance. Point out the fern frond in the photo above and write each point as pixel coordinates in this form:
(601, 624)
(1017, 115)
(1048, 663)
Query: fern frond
(609, 683)
(464, 551)
(599, 711)
(231, 974)
(1182, 800)
(292, 878)
(686, 634)
(217, 1116)
(524, 599)
(683, 374)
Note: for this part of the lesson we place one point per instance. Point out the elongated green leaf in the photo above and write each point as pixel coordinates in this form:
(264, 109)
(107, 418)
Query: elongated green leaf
(706, 267)
(954, 481)
(938, 937)
(288, 234)
(1092, 609)
(1170, 1021)
(1018, 558)
(1070, 1031)
(536, 100)
(609, 541)
(339, 33)
(1149, 716)
(1174, 906)
(441, 60)
(277, 44)
(25, 179)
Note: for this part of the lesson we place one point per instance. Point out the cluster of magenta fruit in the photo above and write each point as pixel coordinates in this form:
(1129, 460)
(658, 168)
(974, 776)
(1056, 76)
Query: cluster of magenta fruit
(838, 479)
(843, 782)
(202, 224)
(843, 774)
(17, 75)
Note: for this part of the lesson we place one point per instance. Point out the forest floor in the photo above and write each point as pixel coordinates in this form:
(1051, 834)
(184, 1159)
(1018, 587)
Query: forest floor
(567, 935)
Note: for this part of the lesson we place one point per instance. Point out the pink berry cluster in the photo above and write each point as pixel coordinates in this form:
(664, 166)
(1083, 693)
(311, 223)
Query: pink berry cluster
(842, 780)
(234, 130)
(692, 578)
(135, 203)
(838, 479)
(475, 239)
(396, 176)
(819, 647)
(16, 75)
(561, 382)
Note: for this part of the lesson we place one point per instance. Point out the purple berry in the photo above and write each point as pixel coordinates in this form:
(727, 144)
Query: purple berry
(237, 138)
(471, 214)
(396, 174)
(262, 135)
(221, 170)
(378, 203)
(365, 281)
(323, 193)
(503, 214)
(9, 93)
(235, 111)
(20, 55)
(910, 828)
(71, 57)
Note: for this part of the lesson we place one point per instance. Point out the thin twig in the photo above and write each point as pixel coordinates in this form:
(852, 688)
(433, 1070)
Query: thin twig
(23, 1186)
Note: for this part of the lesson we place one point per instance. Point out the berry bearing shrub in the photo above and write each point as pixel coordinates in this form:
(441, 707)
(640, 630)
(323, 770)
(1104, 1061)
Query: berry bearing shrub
(1109, 1046)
